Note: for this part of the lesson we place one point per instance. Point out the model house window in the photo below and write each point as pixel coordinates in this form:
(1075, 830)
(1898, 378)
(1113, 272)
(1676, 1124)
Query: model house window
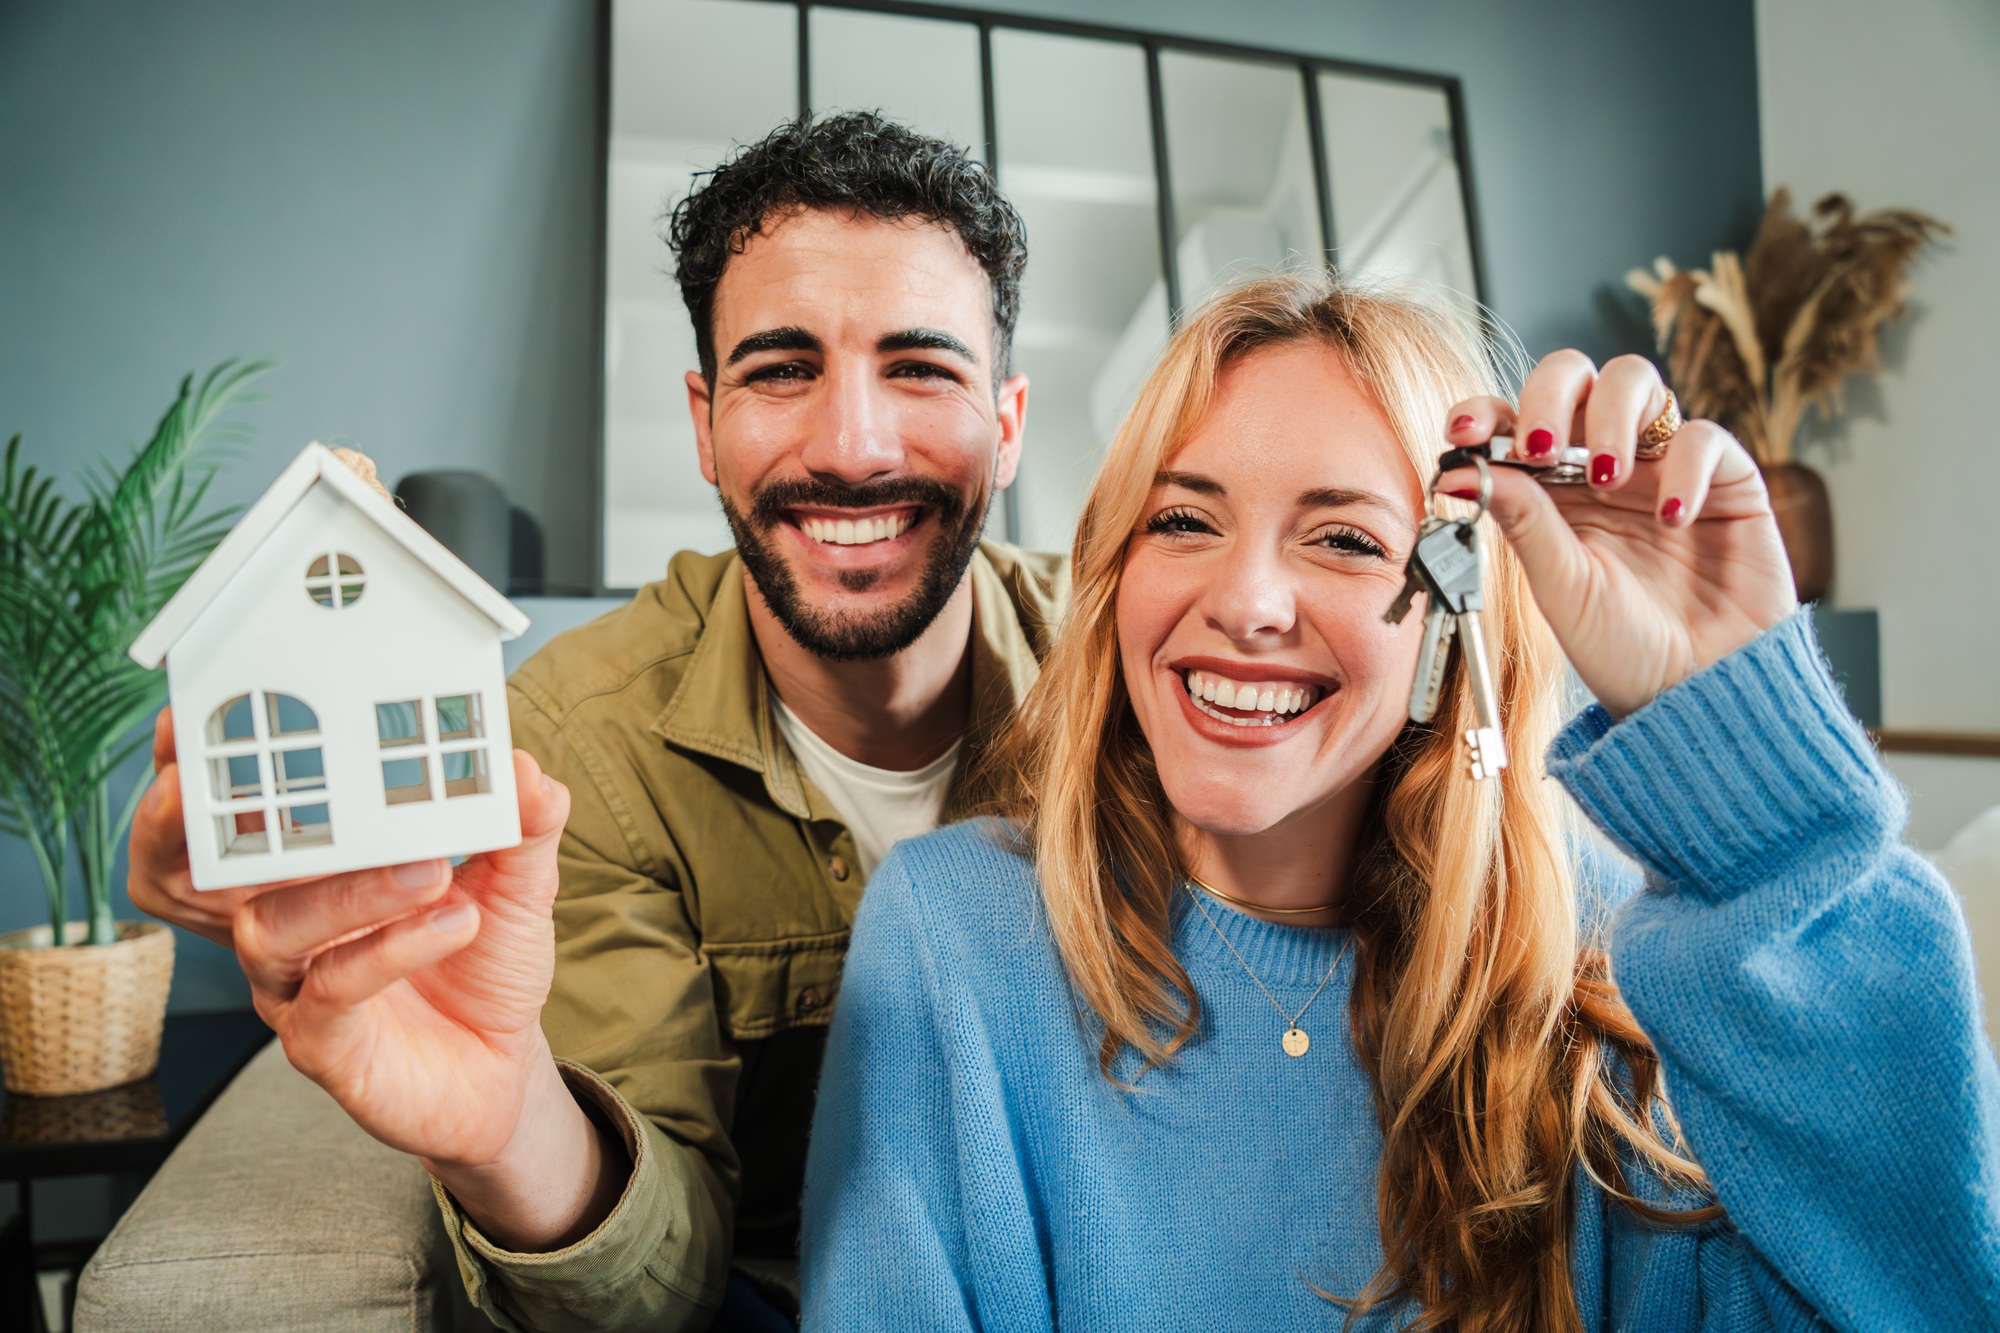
(335, 580)
(432, 748)
(267, 774)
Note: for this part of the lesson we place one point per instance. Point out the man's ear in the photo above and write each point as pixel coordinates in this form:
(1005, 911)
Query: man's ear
(701, 406)
(1011, 407)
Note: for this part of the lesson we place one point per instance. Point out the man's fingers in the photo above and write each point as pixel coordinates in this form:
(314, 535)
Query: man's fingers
(163, 739)
(353, 973)
(279, 932)
(523, 876)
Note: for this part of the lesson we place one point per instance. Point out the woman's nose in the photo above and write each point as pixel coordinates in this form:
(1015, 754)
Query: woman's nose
(853, 437)
(1251, 599)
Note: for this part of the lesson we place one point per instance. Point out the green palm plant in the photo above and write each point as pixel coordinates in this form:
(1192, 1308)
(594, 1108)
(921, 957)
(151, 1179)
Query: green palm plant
(78, 581)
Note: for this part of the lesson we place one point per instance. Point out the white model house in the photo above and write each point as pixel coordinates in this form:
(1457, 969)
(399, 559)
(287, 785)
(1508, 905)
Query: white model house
(338, 693)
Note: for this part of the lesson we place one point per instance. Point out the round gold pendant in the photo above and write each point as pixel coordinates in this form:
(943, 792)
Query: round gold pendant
(1296, 1042)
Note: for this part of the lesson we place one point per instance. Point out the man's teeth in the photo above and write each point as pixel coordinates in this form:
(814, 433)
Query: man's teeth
(1275, 699)
(856, 531)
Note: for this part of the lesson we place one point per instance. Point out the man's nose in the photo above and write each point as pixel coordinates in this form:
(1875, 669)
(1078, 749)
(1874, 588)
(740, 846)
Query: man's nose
(853, 437)
(1252, 599)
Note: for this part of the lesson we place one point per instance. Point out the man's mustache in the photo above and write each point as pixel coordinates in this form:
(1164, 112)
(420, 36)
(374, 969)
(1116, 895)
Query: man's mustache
(768, 506)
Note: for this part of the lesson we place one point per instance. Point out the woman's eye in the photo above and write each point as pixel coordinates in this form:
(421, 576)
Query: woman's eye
(1350, 541)
(1180, 522)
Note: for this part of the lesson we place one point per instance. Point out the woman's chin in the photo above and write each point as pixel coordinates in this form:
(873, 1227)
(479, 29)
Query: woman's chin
(1232, 814)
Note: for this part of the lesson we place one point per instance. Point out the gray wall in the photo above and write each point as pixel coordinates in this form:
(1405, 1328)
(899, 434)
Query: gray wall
(398, 202)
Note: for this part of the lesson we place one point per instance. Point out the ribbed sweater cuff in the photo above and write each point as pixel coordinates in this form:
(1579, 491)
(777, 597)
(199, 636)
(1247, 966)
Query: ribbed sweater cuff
(1735, 772)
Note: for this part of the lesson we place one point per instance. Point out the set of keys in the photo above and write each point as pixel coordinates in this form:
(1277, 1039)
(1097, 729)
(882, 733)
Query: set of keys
(1445, 566)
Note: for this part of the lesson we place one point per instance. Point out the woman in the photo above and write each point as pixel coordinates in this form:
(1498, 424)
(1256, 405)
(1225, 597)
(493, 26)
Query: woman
(1090, 1066)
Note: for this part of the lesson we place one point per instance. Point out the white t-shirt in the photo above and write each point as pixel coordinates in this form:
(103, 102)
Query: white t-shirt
(881, 806)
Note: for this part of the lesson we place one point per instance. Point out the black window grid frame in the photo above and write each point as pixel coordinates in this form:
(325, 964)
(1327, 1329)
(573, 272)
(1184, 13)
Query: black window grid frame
(1152, 44)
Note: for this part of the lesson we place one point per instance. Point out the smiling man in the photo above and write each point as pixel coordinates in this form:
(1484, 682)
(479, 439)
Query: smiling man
(731, 754)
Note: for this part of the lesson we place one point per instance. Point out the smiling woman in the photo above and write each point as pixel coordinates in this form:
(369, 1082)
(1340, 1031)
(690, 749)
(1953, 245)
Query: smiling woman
(1087, 1070)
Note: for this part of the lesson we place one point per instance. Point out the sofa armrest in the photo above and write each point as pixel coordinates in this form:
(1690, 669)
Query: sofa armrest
(277, 1212)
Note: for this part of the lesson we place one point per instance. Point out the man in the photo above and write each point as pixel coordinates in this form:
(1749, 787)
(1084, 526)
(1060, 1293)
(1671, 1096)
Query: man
(726, 758)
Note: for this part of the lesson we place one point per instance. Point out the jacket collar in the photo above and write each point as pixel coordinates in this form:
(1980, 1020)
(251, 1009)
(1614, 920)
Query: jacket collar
(723, 706)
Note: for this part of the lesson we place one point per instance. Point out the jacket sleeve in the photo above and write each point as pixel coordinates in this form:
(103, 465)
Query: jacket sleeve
(632, 1014)
(1808, 983)
(883, 1242)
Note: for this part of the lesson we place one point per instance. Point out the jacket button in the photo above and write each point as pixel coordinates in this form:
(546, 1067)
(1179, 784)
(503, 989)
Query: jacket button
(837, 867)
(808, 999)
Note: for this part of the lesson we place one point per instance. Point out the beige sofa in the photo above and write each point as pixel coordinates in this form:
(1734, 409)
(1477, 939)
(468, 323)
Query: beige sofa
(277, 1212)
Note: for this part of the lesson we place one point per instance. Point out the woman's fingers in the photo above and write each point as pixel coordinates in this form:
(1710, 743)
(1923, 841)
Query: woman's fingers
(1555, 389)
(279, 934)
(1627, 396)
(1686, 473)
(1477, 420)
(1534, 527)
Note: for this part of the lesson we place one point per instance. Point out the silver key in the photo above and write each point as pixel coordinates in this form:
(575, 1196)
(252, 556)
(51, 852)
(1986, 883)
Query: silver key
(1445, 564)
(1489, 747)
(1427, 690)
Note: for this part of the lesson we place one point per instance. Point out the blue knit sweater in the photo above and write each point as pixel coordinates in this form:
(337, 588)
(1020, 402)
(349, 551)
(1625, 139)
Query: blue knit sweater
(1806, 979)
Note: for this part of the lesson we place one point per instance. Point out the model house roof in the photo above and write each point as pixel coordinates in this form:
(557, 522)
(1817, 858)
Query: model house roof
(315, 466)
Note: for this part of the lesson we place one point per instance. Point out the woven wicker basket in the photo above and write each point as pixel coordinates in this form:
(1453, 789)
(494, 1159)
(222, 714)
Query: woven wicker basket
(81, 1019)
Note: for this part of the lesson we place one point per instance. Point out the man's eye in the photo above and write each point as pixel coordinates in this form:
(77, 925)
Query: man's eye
(783, 370)
(921, 370)
(1178, 521)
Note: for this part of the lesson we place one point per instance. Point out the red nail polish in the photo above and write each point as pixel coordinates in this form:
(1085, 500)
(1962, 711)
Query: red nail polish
(1603, 469)
(1671, 510)
(1460, 423)
(1464, 493)
(1541, 443)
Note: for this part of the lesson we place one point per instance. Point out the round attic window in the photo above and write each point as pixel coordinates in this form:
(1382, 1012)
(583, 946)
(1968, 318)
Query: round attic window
(335, 580)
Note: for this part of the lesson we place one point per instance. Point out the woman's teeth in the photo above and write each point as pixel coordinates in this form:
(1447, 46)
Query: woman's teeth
(1272, 702)
(856, 531)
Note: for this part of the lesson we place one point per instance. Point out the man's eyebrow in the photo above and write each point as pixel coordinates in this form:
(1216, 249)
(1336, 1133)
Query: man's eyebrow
(924, 340)
(787, 339)
(1191, 481)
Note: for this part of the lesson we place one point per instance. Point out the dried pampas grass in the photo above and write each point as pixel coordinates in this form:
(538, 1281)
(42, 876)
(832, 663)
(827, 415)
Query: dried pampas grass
(1754, 343)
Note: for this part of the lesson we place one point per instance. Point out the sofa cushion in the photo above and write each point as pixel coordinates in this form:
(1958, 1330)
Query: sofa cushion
(276, 1212)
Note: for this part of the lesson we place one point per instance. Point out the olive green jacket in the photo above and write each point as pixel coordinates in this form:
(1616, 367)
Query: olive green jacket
(707, 889)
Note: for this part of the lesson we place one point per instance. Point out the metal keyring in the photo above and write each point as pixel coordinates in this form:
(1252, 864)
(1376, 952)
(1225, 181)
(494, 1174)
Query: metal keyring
(1485, 486)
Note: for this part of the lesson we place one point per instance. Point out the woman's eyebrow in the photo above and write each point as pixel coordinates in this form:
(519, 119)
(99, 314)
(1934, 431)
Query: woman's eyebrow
(1337, 497)
(1191, 481)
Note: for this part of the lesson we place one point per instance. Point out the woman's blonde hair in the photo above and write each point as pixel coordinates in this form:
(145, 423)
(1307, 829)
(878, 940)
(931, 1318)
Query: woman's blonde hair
(1502, 1056)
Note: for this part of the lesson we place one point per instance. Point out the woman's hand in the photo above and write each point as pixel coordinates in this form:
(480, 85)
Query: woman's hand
(1655, 569)
(413, 994)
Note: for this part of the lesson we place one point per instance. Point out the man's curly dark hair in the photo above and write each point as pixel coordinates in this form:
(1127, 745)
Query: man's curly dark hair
(856, 162)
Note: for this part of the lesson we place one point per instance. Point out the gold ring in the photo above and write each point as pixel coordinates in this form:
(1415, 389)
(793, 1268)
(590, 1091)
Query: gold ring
(1653, 439)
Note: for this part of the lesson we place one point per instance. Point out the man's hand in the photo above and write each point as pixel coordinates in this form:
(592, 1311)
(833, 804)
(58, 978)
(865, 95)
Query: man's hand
(413, 994)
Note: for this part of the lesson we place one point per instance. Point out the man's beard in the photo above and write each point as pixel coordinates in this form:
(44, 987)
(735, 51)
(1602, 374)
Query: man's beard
(876, 634)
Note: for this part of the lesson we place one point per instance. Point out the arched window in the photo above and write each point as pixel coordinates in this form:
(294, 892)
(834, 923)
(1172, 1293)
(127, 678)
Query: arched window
(267, 773)
(335, 580)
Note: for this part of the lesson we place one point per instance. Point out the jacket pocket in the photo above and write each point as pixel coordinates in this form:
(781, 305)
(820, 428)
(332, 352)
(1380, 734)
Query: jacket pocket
(765, 987)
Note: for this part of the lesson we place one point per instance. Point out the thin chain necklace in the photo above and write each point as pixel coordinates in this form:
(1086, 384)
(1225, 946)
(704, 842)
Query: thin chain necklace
(1234, 901)
(1295, 1041)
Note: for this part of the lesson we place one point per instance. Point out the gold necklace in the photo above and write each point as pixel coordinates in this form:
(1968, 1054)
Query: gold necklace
(1234, 901)
(1295, 1041)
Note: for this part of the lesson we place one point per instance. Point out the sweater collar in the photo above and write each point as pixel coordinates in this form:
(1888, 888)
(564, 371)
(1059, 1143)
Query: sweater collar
(1278, 955)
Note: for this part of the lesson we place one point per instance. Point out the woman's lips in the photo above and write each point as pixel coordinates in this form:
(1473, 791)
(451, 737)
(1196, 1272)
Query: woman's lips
(1249, 702)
